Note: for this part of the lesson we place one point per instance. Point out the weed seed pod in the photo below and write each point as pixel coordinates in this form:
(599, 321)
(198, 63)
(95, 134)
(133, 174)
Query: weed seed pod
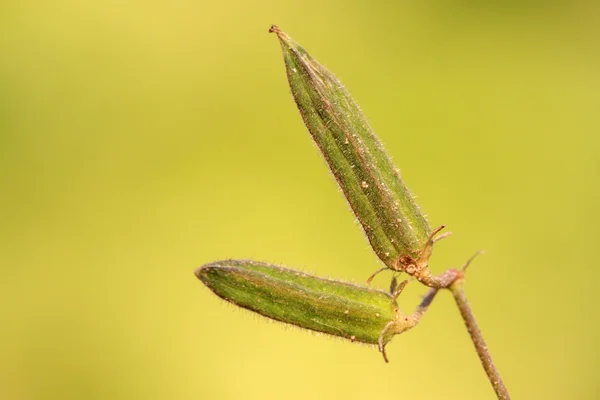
(391, 219)
(341, 309)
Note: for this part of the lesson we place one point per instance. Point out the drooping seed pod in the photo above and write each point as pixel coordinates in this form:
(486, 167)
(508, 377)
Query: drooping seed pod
(392, 221)
(340, 309)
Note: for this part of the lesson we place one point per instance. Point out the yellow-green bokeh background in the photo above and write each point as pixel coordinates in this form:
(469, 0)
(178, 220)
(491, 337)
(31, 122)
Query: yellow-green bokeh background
(141, 139)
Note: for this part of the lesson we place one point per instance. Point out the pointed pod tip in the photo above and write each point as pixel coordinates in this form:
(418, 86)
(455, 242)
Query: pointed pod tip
(199, 272)
(281, 35)
(203, 272)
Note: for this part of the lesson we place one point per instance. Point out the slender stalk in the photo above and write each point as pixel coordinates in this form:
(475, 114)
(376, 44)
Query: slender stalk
(457, 289)
(427, 299)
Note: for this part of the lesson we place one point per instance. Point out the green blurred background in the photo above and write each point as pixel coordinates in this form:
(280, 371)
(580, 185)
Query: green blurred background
(142, 139)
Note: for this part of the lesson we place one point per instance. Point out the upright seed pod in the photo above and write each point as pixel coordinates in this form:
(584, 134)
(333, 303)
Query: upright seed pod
(398, 232)
(341, 309)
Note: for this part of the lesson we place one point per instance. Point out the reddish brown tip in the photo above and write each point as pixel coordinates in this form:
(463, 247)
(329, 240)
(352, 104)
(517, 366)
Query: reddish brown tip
(274, 28)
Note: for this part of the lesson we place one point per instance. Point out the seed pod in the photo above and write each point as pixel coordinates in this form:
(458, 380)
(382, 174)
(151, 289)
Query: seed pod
(341, 309)
(385, 208)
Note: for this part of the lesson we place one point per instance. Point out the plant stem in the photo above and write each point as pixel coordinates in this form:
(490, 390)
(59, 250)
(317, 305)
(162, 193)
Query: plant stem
(457, 289)
(427, 299)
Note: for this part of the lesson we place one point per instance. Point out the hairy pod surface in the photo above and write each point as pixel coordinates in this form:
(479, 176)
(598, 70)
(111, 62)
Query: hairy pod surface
(385, 208)
(340, 309)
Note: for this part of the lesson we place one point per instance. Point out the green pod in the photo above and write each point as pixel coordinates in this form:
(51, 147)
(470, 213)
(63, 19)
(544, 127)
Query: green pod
(391, 219)
(340, 309)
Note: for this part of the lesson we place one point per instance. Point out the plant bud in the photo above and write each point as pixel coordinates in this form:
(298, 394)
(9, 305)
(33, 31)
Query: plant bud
(391, 219)
(359, 314)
